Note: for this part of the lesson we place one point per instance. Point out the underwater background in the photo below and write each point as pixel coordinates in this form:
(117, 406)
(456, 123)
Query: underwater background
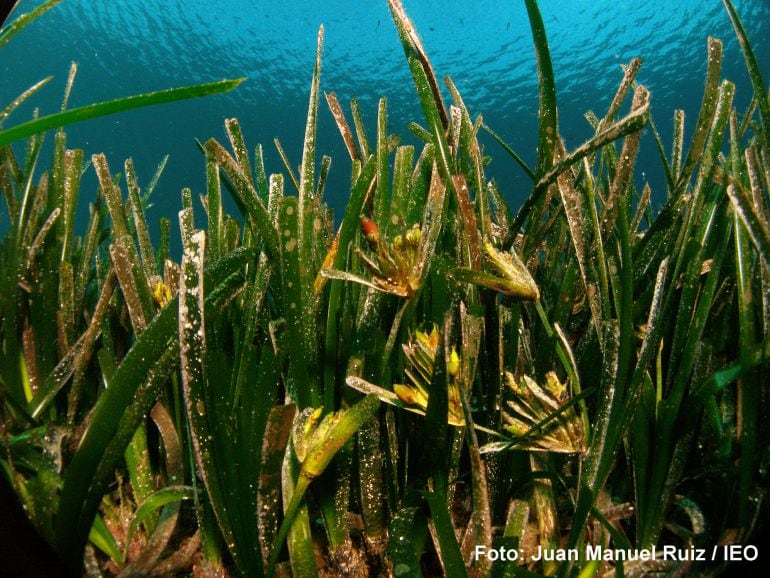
(125, 48)
(615, 371)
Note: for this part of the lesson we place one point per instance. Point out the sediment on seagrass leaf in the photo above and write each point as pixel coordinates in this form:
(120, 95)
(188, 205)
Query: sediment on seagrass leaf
(342, 124)
(146, 250)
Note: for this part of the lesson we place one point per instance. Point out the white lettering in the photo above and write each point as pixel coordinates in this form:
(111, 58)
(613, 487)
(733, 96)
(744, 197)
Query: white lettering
(493, 555)
(593, 552)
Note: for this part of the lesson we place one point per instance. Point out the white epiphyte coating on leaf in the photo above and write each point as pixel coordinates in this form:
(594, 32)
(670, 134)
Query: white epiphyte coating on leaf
(192, 343)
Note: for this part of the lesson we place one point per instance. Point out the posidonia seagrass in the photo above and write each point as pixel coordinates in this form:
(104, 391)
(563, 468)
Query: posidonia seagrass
(585, 370)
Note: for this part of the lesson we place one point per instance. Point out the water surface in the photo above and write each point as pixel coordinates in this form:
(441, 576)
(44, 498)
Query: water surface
(125, 47)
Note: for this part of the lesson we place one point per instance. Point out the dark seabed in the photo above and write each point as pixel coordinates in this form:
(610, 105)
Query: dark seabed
(125, 48)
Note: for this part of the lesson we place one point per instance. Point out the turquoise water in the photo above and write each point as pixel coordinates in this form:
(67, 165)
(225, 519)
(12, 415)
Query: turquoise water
(126, 47)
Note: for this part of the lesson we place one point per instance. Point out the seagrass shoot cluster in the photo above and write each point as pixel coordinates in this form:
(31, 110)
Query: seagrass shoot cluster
(430, 375)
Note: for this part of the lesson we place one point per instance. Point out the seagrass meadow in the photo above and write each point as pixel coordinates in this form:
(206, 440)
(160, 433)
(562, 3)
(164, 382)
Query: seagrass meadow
(432, 383)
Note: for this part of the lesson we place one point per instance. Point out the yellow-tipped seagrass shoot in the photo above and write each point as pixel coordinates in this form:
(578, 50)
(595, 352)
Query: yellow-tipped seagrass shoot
(316, 441)
(543, 418)
(505, 273)
(420, 354)
(395, 266)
